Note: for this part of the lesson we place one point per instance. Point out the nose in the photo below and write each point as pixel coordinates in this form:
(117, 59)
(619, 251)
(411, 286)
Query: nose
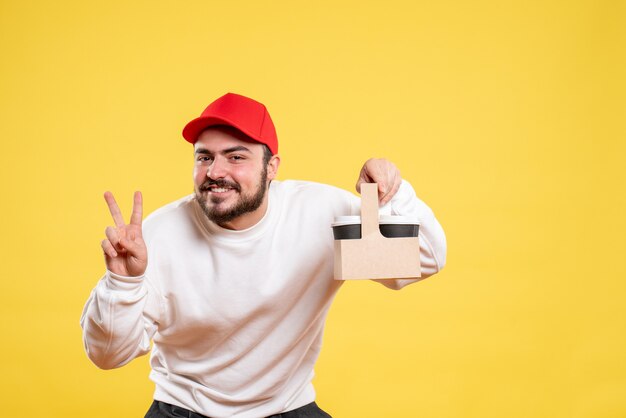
(217, 169)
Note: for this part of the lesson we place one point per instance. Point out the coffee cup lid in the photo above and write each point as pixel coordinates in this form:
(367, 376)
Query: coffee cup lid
(398, 219)
(382, 219)
(347, 220)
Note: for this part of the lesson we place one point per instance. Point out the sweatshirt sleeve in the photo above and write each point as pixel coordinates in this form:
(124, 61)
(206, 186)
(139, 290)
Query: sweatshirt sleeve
(119, 320)
(431, 236)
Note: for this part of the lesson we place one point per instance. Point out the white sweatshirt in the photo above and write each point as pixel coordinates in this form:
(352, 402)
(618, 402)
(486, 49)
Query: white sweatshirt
(236, 317)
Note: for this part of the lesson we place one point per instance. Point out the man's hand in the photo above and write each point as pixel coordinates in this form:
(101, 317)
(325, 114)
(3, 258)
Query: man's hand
(125, 251)
(383, 172)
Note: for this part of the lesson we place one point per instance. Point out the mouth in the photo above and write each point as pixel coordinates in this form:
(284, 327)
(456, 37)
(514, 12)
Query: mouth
(219, 187)
(219, 190)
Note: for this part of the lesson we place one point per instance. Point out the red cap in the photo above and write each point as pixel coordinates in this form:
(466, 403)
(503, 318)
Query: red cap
(240, 112)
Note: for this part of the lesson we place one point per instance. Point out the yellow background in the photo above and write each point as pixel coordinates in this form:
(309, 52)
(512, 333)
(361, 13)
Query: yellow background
(507, 117)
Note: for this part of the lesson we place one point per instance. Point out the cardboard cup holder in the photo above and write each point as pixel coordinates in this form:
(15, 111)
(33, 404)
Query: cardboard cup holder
(373, 247)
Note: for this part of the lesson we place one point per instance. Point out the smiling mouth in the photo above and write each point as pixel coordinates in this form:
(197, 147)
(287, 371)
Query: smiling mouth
(219, 190)
(219, 186)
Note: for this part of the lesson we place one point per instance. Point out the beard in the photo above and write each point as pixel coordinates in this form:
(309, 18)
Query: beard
(245, 203)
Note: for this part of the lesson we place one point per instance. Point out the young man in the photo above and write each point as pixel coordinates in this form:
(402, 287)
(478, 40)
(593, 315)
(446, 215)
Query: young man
(233, 283)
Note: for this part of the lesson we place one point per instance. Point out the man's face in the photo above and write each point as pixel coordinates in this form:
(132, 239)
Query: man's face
(231, 178)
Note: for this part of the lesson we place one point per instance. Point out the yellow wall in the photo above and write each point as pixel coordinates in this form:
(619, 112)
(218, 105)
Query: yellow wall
(507, 117)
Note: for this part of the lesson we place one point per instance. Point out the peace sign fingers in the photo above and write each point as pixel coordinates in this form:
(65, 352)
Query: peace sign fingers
(116, 213)
(124, 248)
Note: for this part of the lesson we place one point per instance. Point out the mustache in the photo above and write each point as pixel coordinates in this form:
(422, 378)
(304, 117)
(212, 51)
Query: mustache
(206, 186)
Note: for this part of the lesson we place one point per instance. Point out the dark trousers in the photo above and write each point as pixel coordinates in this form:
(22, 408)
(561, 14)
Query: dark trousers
(160, 409)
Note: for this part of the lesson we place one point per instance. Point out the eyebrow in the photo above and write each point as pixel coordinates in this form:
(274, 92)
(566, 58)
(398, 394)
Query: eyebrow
(224, 151)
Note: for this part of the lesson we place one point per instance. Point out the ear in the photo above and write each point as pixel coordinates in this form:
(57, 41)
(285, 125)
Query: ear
(272, 167)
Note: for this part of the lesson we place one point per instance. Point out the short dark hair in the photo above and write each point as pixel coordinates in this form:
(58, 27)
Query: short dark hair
(267, 154)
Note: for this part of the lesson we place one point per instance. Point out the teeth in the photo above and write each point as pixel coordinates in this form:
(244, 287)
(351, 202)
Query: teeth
(219, 190)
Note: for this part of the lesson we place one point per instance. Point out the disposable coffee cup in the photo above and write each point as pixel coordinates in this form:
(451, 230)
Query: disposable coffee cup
(347, 227)
(391, 226)
(398, 226)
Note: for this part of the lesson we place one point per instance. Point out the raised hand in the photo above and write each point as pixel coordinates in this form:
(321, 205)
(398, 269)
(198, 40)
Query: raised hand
(383, 172)
(125, 251)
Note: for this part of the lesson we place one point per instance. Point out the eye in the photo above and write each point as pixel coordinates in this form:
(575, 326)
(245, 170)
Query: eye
(203, 158)
(237, 157)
